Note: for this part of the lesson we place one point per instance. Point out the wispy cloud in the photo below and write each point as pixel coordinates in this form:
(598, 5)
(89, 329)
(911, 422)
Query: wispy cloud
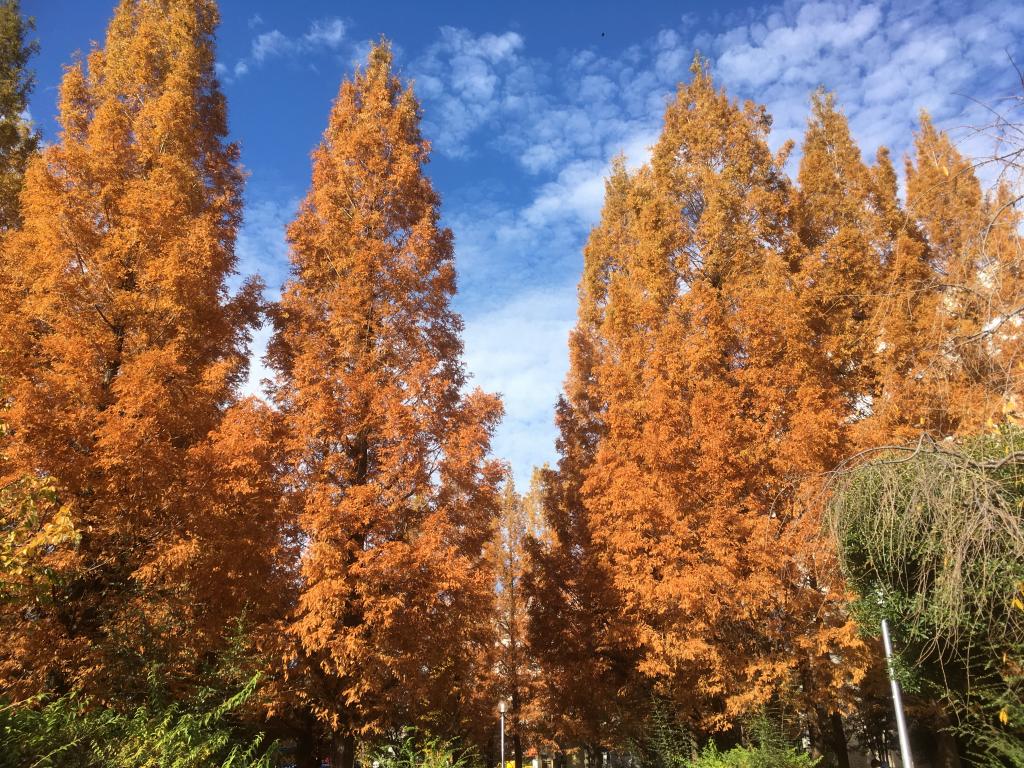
(322, 35)
(517, 349)
(469, 80)
(262, 250)
(885, 61)
(562, 120)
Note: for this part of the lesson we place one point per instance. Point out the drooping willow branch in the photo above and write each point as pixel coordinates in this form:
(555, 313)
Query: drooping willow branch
(938, 527)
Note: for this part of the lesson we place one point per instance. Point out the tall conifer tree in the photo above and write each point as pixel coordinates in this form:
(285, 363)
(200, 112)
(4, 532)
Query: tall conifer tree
(840, 228)
(387, 456)
(122, 351)
(18, 140)
(515, 676)
(718, 404)
(576, 619)
(945, 199)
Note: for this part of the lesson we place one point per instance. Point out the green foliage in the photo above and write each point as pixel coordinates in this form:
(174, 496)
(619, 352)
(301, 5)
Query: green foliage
(992, 718)
(932, 537)
(17, 139)
(754, 757)
(666, 743)
(74, 732)
(414, 749)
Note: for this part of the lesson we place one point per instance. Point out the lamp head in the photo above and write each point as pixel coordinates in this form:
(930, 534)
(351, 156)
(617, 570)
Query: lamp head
(501, 706)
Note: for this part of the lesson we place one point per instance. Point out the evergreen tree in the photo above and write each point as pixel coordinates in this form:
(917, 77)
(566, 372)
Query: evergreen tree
(18, 140)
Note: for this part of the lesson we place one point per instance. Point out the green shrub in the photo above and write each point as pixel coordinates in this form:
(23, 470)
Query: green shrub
(754, 757)
(666, 742)
(413, 749)
(931, 536)
(74, 732)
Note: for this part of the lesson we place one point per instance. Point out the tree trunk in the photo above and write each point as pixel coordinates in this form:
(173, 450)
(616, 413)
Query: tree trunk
(839, 743)
(306, 746)
(343, 751)
(517, 748)
(940, 746)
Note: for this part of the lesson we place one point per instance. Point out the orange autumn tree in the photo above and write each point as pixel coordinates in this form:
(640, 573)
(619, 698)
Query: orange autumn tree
(122, 351)
(1001, 266)
(975, 267)
(576, 627)
(19, 497)
(944, 329)
(717, 405)
(388, 461)
(840, 227)
(514, 675)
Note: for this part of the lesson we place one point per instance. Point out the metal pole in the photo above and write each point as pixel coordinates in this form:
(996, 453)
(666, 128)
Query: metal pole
(503, 737)
(897, 701)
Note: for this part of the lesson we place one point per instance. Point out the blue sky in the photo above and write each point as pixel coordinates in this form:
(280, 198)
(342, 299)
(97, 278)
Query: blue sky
(526, 103)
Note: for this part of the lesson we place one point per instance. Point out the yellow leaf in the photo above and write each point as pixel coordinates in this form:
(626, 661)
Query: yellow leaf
(1018, 604)
(1004, 716)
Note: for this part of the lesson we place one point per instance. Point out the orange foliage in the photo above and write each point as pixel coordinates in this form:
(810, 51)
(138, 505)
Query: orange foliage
(713, 404)
(738, 336)
(121, 352)
(577, 627)
(387, 457)
(510, 672)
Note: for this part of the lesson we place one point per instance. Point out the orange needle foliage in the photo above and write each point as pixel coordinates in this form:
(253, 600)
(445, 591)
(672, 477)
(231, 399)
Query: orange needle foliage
(514, 676)
(577, 628)
(388, 459)
(738, 337)
(972, 275)
(712, 403)
(121, 350)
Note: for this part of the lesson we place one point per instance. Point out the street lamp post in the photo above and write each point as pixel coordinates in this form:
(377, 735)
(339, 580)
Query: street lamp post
(897, 701)
(501, 709)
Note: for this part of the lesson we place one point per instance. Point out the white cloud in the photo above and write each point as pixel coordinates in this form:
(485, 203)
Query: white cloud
(885, 61)
(518, 349)
(262, 250)
(258, 371)
(329, 32)
(562, 120)
(272, 43)
(322, 35)
(261, 246)
(468, 80)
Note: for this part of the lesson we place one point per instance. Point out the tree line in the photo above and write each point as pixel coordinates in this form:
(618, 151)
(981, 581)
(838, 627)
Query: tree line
(348, 552)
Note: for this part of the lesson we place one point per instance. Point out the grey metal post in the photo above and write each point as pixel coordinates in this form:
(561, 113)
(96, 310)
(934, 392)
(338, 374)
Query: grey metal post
(897, 701)
(501, 708)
